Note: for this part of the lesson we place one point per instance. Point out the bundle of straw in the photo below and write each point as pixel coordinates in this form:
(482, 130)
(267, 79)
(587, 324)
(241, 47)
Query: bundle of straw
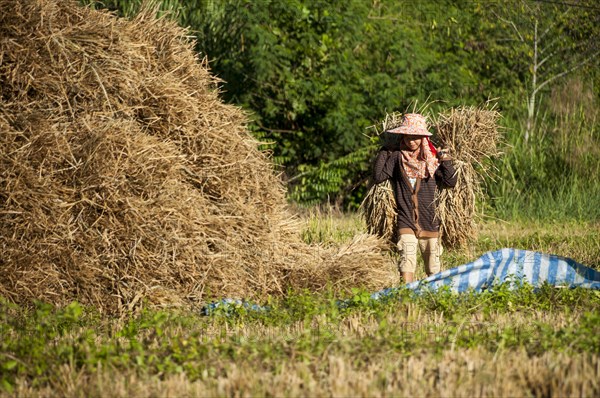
(378, 208)
(471, 135)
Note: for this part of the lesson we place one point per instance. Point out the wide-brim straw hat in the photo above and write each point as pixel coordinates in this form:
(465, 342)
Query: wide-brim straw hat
(412, 124)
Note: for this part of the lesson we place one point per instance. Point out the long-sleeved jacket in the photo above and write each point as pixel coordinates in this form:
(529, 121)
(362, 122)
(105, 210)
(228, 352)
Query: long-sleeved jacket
(416, 207)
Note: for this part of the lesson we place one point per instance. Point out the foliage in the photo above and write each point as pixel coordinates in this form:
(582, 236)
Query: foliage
(333, 178)
(554, 176)
(315, 74)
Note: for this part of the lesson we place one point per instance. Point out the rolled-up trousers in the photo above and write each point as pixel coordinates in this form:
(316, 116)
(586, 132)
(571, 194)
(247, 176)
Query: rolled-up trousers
(430, 248)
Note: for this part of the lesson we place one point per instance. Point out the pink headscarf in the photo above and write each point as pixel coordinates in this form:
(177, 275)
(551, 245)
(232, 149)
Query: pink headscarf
(422, 162)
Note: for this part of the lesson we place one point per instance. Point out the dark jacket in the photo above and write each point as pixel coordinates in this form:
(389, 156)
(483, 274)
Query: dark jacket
(416, 207)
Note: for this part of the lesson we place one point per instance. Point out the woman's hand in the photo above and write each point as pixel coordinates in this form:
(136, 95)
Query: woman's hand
(444, 154)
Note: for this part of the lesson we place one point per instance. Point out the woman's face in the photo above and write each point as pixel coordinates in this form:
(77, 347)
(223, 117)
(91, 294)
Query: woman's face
(412, 142)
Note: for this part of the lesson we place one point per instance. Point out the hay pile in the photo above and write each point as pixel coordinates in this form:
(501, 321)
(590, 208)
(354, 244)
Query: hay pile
(471, 135)
(360, 263)
(123, 177)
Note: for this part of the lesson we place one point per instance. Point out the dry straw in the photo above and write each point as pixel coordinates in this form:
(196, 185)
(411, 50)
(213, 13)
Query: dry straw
(471, 136)
(124, 178)
(378, 208)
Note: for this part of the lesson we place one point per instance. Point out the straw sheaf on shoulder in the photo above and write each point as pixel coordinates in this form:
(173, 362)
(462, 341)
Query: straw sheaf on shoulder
(473, 136)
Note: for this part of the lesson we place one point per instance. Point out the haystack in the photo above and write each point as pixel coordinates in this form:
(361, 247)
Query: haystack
(471, 135)
(124, 178)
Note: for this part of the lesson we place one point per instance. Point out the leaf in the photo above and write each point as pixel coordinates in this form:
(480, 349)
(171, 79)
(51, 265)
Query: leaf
(9, 365)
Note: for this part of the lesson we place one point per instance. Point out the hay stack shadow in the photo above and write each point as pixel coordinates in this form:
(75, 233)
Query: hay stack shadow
(124, 178)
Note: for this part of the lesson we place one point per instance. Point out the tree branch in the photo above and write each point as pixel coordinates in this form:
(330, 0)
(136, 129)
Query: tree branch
(557, 20)
(546, 59)
(575, 67)
(273, 130)
(511, 23)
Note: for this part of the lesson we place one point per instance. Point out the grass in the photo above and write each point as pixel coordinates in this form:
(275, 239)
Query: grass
(509, 343)
(554, 176)
(579, 240)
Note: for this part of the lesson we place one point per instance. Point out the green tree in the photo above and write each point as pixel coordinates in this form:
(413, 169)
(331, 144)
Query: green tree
(544, 43)
(315, 74)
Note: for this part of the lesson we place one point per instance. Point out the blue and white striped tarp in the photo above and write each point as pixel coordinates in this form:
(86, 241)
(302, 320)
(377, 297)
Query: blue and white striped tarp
(496, 267)
(518, 266)
(229, 304)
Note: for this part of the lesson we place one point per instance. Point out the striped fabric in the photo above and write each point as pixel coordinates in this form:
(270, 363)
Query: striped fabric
(506, 265)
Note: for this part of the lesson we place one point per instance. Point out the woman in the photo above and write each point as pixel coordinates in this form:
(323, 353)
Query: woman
(417, 170)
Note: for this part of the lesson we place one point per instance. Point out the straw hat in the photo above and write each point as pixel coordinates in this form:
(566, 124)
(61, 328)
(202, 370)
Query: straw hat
(412, 124)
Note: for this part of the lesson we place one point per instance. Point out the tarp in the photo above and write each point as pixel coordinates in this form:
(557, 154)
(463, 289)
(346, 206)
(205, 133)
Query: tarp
(493, 268)
(514, 265)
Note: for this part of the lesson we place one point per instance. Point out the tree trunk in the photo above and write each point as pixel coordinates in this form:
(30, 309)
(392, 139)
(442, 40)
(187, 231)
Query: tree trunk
(531, 102)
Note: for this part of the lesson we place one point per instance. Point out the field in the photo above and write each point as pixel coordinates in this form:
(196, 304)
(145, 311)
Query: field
(130, 183)
(508, 343)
